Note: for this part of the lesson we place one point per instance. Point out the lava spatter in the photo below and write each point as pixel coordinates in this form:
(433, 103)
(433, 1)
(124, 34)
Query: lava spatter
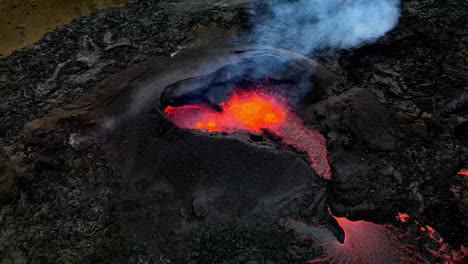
(254, 111)
(402, 217)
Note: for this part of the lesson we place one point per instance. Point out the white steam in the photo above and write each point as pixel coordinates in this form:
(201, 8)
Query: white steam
(308, 25)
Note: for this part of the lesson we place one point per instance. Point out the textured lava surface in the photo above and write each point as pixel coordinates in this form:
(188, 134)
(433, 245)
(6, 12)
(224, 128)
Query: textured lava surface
(254, 111)
(364, 242)
(367, 242)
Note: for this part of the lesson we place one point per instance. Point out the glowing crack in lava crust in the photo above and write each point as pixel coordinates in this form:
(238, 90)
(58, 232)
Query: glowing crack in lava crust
(255, 111)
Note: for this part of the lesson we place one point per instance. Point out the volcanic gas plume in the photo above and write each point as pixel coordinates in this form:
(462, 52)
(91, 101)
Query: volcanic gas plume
(256, 111)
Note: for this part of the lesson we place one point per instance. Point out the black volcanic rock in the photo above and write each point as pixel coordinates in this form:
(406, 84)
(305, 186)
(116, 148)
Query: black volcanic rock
(7, 178)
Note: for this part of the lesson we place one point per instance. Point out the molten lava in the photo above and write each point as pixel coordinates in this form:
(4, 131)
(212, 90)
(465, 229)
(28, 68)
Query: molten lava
(255, 111)
(366, 242)
(247, 111)
(402, 217)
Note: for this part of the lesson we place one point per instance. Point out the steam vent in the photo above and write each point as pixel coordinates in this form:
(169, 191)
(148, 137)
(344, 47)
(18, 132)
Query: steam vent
(234, 131)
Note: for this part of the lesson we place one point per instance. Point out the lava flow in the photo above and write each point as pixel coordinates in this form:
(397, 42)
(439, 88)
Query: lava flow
(255, 111)
(366, 242)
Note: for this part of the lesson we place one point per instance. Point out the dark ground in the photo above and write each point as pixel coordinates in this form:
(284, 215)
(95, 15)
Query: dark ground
(62, 207)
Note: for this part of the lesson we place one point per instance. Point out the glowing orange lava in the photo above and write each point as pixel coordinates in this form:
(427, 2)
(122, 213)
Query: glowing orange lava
(366, 242)
(243, 111)
(254, 111)
(402, 217)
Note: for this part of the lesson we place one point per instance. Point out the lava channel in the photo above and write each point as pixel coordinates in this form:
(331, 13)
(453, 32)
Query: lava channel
(256, 111)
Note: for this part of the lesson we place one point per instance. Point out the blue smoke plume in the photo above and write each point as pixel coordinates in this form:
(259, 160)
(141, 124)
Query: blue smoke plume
(309, 25)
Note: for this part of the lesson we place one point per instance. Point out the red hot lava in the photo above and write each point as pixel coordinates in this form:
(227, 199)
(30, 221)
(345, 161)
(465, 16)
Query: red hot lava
(254, 111)
(366, 242)
(463, 172)
(402, 217)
